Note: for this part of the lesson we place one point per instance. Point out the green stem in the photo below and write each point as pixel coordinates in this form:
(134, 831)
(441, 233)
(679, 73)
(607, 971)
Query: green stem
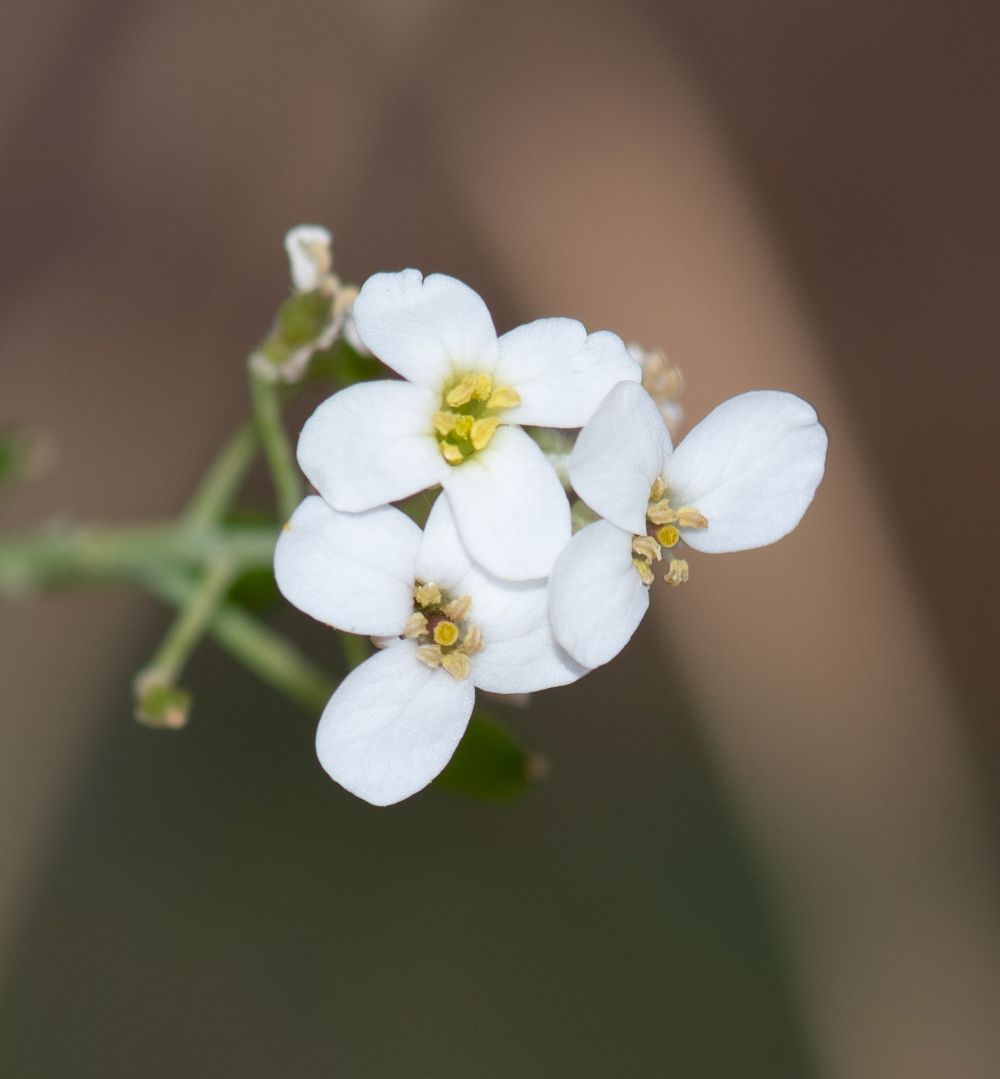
(218, 488)
(269, 655)
(274, 438)
(56, 555)
(189, 627)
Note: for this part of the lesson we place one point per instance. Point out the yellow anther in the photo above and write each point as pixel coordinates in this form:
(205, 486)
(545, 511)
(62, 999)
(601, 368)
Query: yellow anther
(644, 571)
(483, 431)
(463, 426)
(677, 572)
(658, 490)
(430, 654)
(473, 640)
(667, 535)
(691, 518)
(484, 388)
(646, 547)
(427, 595)
(452, 454)
(660, 513)
(445, 634)
(416, 627)
(458, 608)
(462, 393)
(287, 527)
(444, 422)
(504, 397)
(456, 664)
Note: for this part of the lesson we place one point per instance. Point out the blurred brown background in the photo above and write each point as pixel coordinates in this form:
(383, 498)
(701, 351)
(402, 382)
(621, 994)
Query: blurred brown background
(153, 154)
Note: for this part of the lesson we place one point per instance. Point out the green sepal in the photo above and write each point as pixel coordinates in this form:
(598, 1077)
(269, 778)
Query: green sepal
(163, 706)
(488, 765)
(303, 317)
(345, 366)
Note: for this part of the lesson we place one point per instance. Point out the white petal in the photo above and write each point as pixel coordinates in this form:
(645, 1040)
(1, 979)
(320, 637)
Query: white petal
(392, 725)
(519, 654)
(619, 454)
(302, 263)
(442, 557)
(350, 570)
(596, 597)
(561, 374)
(510, 508)
(372, 443)
(751, 467)
(427, 330)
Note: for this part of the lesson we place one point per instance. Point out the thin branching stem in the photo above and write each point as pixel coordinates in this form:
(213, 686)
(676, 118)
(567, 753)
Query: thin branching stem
(274, 438)
(220, 485)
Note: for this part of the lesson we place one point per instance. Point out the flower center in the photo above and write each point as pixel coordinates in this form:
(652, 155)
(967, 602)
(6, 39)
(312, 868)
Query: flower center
(469, 420)
(441, 628)
(661, 531)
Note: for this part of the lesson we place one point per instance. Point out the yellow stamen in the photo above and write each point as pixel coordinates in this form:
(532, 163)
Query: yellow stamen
(427, 595)
(658, 490)
(287, 527)
(667, 535)
(483, 431)
(445, 634)
(660, 513)
(678, 572)
(430, 654)
(646, 547)
(484, 388)
(462, 393)
(644, 571)
(456, 664)
(458, 608)
(416, 627)
(452, 454)
(504, 397)
(444, 422)
(691, 518)
(473, 640)
(463, 426)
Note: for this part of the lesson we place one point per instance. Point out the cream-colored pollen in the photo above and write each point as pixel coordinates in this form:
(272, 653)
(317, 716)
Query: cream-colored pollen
(677, 572)
(452, 454)
(464, 426)
(430, 655)
(646, 547)
(427, 595)
(644, 571)
(658, 490)
(416, 626)
(504, 397)
(462, 393)
(482, 431)
(473, 640)
(445, 634)
(668, 536)
(484, 388)
(687, 517)
(458, 608)
(660, 513)
(444, 423)
(456, 664)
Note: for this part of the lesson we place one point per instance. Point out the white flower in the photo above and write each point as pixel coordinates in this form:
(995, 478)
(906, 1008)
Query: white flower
(455, 420)
(445, 628)
(742, 478)
(310, 257)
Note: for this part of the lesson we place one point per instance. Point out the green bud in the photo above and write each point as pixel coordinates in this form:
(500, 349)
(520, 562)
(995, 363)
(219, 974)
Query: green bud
(160, 705)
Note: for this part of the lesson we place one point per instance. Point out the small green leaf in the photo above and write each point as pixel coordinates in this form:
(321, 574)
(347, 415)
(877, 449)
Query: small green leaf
(489, 766)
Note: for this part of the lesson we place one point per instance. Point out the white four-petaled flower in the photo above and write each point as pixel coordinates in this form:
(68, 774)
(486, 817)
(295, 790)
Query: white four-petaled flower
(456, 419)
(742, 478)
(446, 627)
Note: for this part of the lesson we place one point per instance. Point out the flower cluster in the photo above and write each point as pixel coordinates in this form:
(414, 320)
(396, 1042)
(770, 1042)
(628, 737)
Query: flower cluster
(496, 591)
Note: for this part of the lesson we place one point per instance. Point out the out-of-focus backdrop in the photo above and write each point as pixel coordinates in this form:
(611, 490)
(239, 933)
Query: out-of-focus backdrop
(820, 176)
